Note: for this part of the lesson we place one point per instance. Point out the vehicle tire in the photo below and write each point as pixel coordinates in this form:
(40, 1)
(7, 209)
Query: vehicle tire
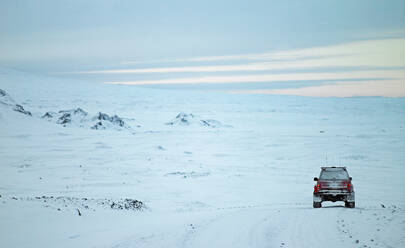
(349, 204)
(317, 205)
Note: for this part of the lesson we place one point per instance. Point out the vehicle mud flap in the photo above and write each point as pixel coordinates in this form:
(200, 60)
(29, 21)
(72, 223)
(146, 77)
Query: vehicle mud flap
(317, 198)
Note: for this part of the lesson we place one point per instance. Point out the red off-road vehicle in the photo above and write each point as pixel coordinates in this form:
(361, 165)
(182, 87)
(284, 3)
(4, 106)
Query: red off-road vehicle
(334, 184)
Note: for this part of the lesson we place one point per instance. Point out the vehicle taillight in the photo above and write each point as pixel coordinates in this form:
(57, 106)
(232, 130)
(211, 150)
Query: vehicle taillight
(348, 185)
(317, 187)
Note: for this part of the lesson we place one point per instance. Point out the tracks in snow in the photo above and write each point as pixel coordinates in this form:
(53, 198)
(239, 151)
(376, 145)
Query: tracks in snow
(279, 226)
(293, 226)
(241, 228)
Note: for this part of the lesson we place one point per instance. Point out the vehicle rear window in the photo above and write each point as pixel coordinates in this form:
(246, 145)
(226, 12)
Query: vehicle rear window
(338, 174)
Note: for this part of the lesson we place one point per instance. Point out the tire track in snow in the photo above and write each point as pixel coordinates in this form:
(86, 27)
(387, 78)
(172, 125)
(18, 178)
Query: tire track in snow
(241, 228)
(277, 226)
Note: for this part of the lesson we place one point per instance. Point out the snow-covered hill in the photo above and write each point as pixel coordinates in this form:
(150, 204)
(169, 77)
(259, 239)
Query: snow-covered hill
(96, 165)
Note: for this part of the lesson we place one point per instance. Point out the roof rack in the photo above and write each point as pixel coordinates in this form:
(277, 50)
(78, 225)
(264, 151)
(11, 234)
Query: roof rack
(334, 167)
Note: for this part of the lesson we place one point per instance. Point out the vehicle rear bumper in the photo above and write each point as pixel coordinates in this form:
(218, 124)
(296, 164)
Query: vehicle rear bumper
(334, 196)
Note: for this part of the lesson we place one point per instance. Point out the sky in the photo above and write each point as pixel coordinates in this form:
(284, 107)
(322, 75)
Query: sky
(154, 42)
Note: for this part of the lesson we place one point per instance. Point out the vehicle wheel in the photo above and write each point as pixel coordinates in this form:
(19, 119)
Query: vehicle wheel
(317, 205)
(349, 204)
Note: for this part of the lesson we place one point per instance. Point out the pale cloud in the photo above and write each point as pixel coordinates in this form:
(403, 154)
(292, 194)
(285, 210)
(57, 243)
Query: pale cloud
(226, 68)
(392, 88)
(370, 53)
(377, 68)
(386, 52)
(200, 59)
(359, 75)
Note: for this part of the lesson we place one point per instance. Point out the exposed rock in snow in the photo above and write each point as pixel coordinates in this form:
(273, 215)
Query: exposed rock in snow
(104, 121)
(211, 123)
(64, 203)
(20, 108)
(81, 118)
(161, 148)
(183, 119)
(128, 204)
(65, 117)
(98, 126)
(6, 100)
(48, 115)
(102, 116)
(77, 111)
(3, 94)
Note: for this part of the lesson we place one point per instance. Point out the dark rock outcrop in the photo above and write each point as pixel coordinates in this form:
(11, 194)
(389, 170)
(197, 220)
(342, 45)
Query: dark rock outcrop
(102, 117)
(3, 92)
(19, 108)
(77, 111)
(48, 115)
(128, 204)
(65, 119)
(211, 123)
(182, 119)
(8, 101)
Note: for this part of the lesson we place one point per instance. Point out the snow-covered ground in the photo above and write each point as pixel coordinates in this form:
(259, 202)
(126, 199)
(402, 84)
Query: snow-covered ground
(190, 168)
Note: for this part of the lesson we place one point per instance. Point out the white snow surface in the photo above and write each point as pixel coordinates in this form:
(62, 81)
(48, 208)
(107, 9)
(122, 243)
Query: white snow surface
(247, 182)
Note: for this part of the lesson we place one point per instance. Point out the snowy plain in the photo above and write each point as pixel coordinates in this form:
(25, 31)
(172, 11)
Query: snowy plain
(245, 179)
